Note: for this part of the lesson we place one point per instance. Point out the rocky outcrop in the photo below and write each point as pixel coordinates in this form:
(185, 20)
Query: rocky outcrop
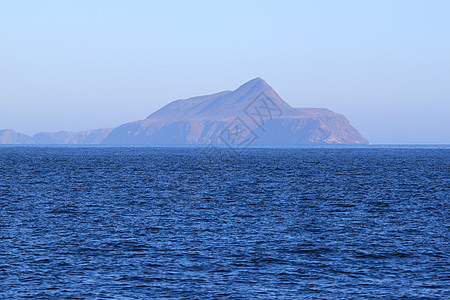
(9, 136)
(252, 114)
(259, 109)
(90, 137)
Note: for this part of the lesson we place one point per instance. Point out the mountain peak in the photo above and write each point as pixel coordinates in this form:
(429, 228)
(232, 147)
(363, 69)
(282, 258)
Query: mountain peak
(208, 119)
(9, 136)
(256, 83)
(257, 80)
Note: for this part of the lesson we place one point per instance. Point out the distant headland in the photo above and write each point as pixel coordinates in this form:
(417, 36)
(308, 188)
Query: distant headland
(253, 113)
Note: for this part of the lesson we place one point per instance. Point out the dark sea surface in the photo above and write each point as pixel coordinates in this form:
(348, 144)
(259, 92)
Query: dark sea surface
(139, 223)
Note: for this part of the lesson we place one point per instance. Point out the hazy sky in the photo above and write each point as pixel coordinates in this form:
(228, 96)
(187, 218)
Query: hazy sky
(77, 65)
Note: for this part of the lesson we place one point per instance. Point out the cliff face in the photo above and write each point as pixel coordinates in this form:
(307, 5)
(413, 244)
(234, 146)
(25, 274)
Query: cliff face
(259, 109)
(9, 136)
(90, 137)
(252, 114)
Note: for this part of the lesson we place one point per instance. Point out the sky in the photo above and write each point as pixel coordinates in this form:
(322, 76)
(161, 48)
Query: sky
(79, 65)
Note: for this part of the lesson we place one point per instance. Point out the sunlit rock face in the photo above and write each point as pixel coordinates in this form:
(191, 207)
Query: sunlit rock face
(205, 119)
(9, 136)
(253, 113)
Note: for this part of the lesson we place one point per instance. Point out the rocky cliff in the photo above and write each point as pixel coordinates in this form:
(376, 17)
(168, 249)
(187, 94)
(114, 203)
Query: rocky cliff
(258, 109)
(252, 114)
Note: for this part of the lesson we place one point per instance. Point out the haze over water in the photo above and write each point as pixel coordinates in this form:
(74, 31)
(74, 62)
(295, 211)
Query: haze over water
(81, 65)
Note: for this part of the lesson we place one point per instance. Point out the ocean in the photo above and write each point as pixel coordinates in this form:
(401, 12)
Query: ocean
(267, 223)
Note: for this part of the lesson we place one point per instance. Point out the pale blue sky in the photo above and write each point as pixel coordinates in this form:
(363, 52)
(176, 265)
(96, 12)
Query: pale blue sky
(77, 65)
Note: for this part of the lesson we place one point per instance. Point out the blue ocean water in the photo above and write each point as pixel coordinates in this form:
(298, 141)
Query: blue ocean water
(138, 223)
